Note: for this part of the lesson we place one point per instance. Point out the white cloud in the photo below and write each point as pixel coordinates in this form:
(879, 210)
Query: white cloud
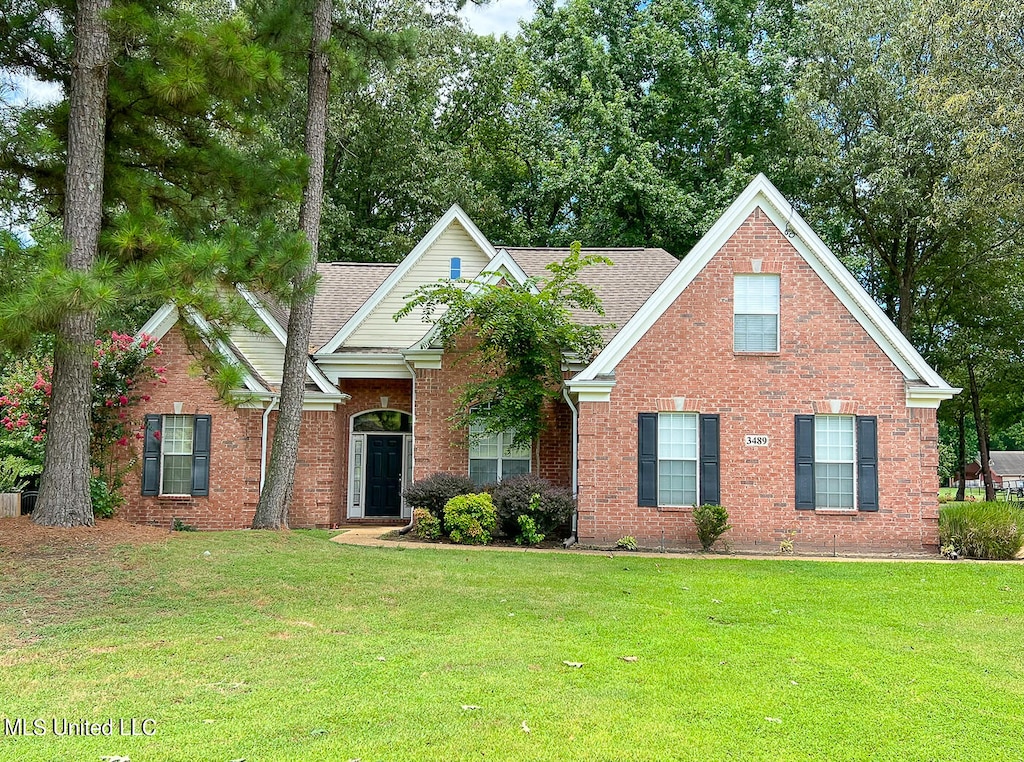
(498, 17)
(21, 90)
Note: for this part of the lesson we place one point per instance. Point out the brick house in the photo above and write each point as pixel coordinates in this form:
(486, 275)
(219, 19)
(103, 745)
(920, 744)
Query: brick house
(755, 373)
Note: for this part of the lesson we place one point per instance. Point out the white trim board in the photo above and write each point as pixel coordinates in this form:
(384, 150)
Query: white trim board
(760, 193)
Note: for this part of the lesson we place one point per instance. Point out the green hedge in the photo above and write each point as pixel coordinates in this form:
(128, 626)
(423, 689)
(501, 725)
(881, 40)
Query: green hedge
(982, 530)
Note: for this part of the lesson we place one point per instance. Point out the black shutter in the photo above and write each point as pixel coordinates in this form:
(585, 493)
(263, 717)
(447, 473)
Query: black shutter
(867, 463)
(647, 459)
(151, 456)
(710, 487)
(805, 462)
(201, 455)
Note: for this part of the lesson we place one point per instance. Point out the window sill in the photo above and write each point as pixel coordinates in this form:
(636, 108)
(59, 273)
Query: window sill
(674, 508)
(837, 511)
(175, 497)
(775, 353)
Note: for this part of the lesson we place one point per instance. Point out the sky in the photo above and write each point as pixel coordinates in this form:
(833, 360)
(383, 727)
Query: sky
(498, 16)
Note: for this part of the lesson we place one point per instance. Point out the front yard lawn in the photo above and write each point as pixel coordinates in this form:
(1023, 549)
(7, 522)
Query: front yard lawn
(290, 647)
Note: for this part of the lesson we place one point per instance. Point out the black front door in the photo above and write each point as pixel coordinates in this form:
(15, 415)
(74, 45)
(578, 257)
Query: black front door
(384, 475)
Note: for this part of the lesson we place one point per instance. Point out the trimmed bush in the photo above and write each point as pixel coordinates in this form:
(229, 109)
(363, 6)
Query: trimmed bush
(426, 525)
(513, 497)
(982, 530)
(712, 522)
(470, 519)
(434, 492)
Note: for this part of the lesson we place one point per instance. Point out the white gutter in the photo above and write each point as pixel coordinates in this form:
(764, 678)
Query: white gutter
(274, 399)
(575, 464)
(412, 442)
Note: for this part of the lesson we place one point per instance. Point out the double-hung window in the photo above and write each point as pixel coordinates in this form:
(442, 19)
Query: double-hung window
(176, 455)
(837, 462)
(677, 459)
(493, 457)
(756, 313)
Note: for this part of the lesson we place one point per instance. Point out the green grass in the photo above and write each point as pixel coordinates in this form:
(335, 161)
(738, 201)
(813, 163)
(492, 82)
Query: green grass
(289, 647)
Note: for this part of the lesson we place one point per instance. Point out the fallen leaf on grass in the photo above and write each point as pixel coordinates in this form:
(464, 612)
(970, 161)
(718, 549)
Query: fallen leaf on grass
(774, 719)
(573, 664)
(630, 658)
(525, 728)
(470, 707)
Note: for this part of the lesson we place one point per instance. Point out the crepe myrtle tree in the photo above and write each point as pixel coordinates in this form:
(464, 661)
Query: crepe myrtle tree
(522, 334)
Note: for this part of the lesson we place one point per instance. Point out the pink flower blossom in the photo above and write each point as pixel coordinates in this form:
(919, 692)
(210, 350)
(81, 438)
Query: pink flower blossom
(95, 363)
(161, 370)
(157, 351)
(156, 435)
(123, 441)
(123, 400)
(145, 398)
(37, 438)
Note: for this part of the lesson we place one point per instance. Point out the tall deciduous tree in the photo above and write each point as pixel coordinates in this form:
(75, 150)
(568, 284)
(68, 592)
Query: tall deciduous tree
(271, 511)
(64, 498)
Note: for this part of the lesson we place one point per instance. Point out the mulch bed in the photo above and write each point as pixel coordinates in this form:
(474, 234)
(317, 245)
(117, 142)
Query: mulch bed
(20, 538)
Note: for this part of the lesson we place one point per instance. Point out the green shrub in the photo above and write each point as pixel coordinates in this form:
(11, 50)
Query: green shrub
(514, 497)
(13, 473)
(426, 525)
(470, 519)
(434, 492)
(179, 525)
(528, 534)
(104, 500)
(626, 543)
(982, 530)
(712, 522)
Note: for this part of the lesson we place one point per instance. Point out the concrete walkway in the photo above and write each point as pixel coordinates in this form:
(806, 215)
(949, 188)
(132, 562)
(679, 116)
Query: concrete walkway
(374, 537)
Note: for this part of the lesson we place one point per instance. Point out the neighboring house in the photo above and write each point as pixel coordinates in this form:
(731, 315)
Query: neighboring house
(1007, 469)
(755, 373)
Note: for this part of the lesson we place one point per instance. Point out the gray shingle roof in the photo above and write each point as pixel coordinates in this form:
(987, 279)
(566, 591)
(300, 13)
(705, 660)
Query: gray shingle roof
(623, 286)
(1007, 462)
(343, 288)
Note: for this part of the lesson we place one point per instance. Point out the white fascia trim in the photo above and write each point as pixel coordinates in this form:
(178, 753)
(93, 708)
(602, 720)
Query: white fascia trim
(761, 193)
(590, 390)
(454, 214)
(929, 396)
(503, 266)
(318, 378)
(424, 359)
(225, 351)
(363, 365)
(160, 322)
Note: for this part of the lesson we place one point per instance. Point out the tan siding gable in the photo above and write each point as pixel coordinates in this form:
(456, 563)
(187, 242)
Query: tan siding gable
(379, 329)
(263, 351)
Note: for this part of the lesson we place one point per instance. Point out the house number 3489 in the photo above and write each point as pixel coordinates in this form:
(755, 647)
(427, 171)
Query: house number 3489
(755, 440)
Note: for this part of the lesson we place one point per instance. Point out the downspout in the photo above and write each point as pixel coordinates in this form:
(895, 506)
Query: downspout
(274, 399)
(571, 540)
(412, 441)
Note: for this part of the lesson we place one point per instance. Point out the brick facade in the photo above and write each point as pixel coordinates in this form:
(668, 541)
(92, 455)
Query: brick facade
(686, 362)
(235, 452)
(827, 364)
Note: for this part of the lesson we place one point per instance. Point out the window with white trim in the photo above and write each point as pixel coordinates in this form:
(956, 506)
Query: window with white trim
(493, 457)
(677, 459)
(834, 458)
(177, 436)
(756, 313)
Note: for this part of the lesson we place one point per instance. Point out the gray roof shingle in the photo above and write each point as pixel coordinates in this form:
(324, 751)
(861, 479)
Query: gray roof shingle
(623, 286)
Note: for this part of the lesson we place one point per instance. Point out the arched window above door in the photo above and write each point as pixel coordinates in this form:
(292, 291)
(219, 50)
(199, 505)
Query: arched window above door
(388, 421)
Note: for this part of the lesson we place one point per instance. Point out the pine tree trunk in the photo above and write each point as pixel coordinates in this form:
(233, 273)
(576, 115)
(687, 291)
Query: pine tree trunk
(981, 423)
(272, 509)
(64, 486)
